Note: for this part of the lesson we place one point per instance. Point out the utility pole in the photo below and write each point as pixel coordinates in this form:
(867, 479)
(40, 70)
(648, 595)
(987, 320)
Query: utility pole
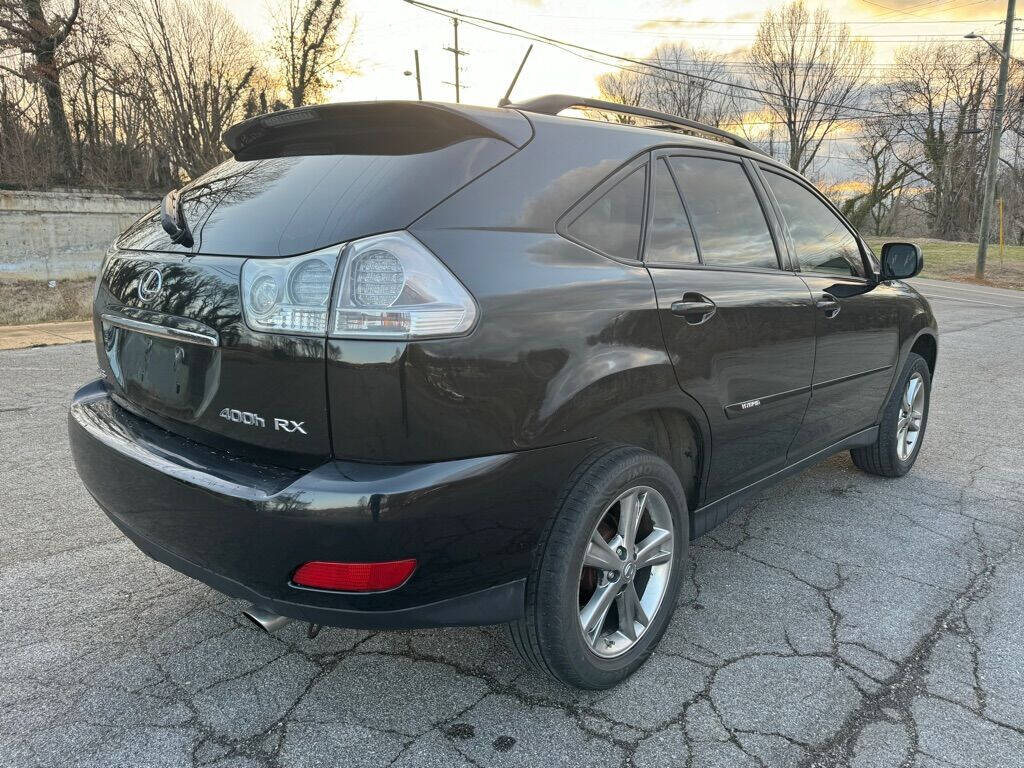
(457, 52)
(993, 150)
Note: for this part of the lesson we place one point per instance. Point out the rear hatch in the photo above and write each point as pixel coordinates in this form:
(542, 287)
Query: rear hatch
(173, 339)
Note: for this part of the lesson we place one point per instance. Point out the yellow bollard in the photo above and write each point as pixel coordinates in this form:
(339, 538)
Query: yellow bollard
(1001, 249)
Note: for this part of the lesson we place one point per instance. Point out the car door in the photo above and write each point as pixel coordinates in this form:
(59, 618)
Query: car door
(739, 329)
(856, 321)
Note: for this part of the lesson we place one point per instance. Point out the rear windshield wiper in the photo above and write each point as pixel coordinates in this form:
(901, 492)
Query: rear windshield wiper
(172, 218)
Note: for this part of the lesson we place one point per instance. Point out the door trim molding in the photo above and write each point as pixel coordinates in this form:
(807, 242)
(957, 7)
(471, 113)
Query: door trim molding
(851, 377)
(755, 405)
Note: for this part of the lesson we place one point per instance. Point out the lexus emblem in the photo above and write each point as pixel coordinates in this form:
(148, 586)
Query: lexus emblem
(150, 284)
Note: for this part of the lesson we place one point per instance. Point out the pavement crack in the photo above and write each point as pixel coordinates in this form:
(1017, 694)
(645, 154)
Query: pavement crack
(907, 682)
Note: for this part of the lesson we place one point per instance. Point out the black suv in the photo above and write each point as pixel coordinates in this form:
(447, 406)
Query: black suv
(406, 364)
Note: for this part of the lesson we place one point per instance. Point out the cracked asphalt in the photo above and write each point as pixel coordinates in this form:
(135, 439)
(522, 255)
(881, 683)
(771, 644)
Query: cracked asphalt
(836, 620)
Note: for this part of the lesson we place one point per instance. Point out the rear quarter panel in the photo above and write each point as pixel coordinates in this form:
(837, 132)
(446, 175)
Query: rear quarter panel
(567, 339)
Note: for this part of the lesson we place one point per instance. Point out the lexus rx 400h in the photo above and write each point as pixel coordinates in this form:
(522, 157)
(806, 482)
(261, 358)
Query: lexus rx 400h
(406, 364)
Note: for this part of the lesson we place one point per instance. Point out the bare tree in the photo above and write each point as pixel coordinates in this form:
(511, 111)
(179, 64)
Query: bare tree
(693, 83)
(680, 81)
(19, 160)
(26, 27)
(628, 87)
(810, 71)
(146, 87)
(887, 177)
(936, 101)
(307, 47)
(194, 68)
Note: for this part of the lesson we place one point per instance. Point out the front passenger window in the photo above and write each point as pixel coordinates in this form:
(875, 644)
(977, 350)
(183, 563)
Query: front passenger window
(822, 241)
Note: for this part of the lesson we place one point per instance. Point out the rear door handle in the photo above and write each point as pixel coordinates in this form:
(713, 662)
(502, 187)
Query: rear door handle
(695, 308)
(829, 305)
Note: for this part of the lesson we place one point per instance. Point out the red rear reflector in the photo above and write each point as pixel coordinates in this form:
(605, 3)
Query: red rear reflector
(354, 577)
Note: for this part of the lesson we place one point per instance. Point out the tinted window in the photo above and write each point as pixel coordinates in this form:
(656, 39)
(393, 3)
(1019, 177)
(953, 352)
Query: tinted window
(198, 198)
(671, 241)
(822, 241)
(612, 224)
(725, 213)
(282, 206)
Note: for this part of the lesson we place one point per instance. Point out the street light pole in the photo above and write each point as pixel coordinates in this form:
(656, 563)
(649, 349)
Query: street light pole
(997, 133)
(408, 73)
(419, 85)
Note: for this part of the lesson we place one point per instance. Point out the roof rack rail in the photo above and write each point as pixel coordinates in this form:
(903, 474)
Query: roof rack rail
(555, 103)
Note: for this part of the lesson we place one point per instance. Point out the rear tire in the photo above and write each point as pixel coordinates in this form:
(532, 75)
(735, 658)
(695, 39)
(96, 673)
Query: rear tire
(901, 430)
(590, 569)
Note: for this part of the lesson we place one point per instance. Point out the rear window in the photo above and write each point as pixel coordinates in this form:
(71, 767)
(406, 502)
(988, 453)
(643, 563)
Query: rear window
(731, 227)
(282, 206)
(612, 223)
(671, 240)
(198, 199)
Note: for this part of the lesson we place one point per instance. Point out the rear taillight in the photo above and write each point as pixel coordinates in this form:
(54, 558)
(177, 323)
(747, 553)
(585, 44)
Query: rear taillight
(392, 287)
(354, 577)
(387, 287)
(289, 295)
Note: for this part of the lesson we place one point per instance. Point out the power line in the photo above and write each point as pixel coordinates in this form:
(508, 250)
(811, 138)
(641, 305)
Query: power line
(935, 5)
(481, 22)
(904, 11)
(581, 51)
(875, 38)
(746, 65)
(578, 51)
(731, 22)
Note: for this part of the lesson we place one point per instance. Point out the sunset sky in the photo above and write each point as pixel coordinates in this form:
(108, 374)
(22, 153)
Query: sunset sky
(389, 31)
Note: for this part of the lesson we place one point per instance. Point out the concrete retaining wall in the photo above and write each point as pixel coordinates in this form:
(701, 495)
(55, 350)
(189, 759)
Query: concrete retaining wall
(53, 235)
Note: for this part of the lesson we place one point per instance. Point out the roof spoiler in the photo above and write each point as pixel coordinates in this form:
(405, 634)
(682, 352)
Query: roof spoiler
(371, 127)
(557, 102)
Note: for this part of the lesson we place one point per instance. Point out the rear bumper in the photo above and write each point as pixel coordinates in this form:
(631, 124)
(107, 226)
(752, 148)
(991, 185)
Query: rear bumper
(243, 529)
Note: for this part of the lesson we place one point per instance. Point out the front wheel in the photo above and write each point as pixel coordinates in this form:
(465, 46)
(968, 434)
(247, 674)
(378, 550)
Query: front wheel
(607, 576)
(901, 430)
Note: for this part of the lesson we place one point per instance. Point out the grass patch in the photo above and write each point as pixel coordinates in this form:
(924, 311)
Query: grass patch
(23, 302)
(945, 260)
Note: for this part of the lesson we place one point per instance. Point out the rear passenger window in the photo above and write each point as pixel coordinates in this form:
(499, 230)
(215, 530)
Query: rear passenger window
(822, 241)
(726, 215)
(671, 240)
(612, 224)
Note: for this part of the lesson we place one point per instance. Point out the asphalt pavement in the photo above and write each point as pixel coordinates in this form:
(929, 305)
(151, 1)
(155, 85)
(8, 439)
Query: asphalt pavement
(836, 620)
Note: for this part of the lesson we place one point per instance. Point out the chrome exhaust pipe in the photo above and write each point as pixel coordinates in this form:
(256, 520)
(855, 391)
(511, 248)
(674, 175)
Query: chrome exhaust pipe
(265, 620)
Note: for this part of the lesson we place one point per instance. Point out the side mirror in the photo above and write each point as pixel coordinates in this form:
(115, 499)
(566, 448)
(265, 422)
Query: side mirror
(901, 261)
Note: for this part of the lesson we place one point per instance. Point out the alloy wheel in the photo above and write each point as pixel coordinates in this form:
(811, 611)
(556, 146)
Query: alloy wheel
(908, 427)
(625, 572)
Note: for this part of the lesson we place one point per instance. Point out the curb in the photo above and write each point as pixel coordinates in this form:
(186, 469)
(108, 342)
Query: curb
(44, 334)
